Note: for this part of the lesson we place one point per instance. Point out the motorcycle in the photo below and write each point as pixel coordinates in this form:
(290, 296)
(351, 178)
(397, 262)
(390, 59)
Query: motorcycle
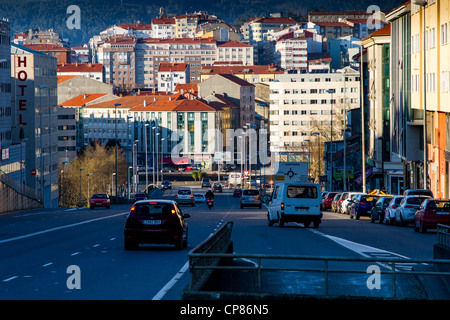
(210, 202)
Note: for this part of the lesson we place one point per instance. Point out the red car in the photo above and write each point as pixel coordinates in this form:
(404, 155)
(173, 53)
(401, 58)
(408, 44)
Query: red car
(431, 213)
(100, 200)
(328, 199)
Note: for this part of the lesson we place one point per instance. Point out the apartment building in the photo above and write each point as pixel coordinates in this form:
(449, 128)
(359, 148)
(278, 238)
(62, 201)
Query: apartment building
(35, 101)
(302, 103)
(89, 70)
(151, 52)
(430, 89)
(163, 28)
(292, 53)
(234, 89)
(62, 54)
(172, 74)
(234, 51)
(251, 73)
(258, 27)
(118, 56)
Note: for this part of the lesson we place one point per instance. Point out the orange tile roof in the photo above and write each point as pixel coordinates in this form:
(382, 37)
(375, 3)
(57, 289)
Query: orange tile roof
(80, 67)
(233, 44)
(44, 47)
(81, 100)
(186, 87)
(175, 102)
(62, 79)
(164, 67)
(385, 31)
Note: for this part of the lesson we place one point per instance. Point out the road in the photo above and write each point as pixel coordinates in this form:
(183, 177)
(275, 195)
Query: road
(38, 246)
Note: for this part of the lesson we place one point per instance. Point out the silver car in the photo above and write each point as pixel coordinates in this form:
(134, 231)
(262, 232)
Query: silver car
(404, 213)
(185, 196)
(389, 213)
(251, 197)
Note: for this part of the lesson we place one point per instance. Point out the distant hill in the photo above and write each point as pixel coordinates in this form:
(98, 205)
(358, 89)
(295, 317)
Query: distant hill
(97, 15)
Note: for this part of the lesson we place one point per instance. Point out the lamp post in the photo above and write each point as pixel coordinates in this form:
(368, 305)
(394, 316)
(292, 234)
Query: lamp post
(115, 134)
(88, 175)
(112, 181)
(423, 4)
(318, 154)
(157, 157)
(309, 156)
(331, 91)
(79, 205)
(162, 159)
(41, 126)
(381, 139)
(146, 165)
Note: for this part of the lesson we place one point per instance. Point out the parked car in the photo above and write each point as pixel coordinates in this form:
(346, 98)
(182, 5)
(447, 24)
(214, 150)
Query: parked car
(345, 205)
(206, 183)
(362, 205)
(185, 196)
(199, 197)
(378, 209)
(166, 184)
(295, 202)
(431, 213)
(100, 200)
(327, 200)
(335, 202)
(160, 221)
(217, 187)
(251, 197)
(407, 208)
(389, 213)
(418, 192)
(343, 197)
(237, 193)
(140, 196)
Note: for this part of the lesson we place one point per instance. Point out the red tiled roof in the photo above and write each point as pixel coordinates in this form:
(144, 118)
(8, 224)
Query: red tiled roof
(385, 31)
(44, 47)
(274, 20)
(136, 26)
(62, 79)
(80, 67)
(164, 67)
(176, 102)
(163, 21)
(332, 24)
(178, 40)
(81, 100)
(187, 87)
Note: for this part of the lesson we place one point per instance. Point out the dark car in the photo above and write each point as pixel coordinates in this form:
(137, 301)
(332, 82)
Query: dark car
(327, 200)
(431, 213)
(100, 200)
(166, 185)
(362, 205)
(237, 193)
(140, 196)
(157, 222)
(377, 212)
(206, 182)
(217, 187)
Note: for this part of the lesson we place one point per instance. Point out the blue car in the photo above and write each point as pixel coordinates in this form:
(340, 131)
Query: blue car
(362, 205)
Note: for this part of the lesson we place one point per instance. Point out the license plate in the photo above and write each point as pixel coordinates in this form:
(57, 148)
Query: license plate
(300, 209)
(99, 204)
(442, 212)
(152, 222)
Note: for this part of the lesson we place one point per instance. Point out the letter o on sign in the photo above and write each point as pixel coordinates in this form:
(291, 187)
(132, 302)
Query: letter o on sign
(22, 75)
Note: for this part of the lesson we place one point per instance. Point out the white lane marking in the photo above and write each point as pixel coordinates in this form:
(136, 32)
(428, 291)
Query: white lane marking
(9, 279)
(58, 228)
(75, 253)
(171, 283)
(47, 264)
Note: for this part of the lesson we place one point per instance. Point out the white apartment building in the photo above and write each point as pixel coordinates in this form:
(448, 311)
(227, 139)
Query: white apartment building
(172, 74)
(301, 104)
(292, 54)
(234, 51)
(164, 28)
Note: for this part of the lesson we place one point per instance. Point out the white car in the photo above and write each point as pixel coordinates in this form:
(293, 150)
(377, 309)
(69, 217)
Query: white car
(407, 208)
(389, 213)
(345, 206)
(185, 196)
(199, 197)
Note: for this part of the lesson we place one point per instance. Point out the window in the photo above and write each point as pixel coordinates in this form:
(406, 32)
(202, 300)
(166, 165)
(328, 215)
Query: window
(444, 34)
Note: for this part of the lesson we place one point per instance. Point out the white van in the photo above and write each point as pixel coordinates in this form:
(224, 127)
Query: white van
(295, 202)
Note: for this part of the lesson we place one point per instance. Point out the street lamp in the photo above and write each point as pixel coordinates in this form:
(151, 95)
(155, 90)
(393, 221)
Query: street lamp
(381, 139)
(423, 4)
(115, 133)
(79, 205)
(318, 154)
(309, 156)
(112, 181)
(41, 144)
(146, 165)
(157, 157)
(331, 91)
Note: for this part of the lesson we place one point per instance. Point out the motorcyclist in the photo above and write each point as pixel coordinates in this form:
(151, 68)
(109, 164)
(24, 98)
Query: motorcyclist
(209, 194)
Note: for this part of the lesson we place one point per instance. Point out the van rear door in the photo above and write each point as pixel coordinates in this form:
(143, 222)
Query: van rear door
(302, 199)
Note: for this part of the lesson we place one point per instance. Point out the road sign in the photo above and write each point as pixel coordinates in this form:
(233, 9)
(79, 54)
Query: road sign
(292, 172)
(33, 172)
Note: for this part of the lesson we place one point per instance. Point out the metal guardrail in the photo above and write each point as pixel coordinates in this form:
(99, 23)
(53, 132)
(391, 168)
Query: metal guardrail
(394, 264)
(443, 235)
(199, 261)
(19, 187)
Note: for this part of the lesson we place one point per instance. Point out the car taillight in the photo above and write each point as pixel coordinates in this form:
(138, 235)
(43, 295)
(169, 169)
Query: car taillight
(394, 206)
(192, 195)
(341, 200)
(362, 203)
(282, 206)
(176, 196)
(242, 198)
(258, 198)
(409, 207)
(133, 208)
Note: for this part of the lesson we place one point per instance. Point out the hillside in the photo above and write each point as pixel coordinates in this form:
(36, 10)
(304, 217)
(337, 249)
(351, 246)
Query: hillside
(96, 15)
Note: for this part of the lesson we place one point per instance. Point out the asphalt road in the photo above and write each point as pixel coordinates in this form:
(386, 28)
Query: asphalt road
(37, 247)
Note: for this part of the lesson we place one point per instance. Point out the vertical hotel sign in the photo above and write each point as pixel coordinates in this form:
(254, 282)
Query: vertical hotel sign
(22, 77)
